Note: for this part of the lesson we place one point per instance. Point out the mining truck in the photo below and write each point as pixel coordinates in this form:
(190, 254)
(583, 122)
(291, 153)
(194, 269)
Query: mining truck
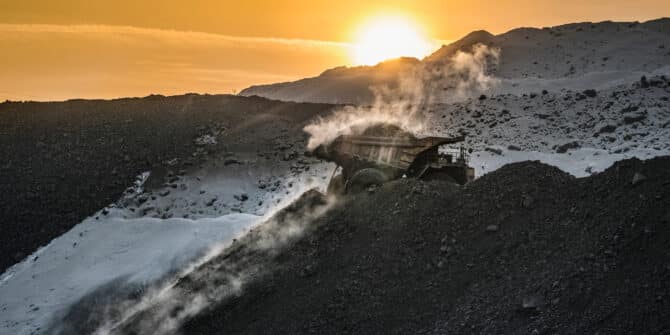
(385, 152)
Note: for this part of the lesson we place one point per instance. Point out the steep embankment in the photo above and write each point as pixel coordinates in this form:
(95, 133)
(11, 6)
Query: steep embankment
(525, 249)
(64, 161)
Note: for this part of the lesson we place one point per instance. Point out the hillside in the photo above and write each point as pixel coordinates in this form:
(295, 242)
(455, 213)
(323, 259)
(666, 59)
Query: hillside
(597, 55)
(501, 255)
(64, 161)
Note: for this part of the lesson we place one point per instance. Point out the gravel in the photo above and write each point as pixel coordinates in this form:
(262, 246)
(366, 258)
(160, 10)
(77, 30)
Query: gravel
(587, 255)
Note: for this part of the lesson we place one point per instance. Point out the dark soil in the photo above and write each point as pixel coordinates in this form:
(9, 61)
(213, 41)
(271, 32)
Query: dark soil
(526, 249)
(63, 161)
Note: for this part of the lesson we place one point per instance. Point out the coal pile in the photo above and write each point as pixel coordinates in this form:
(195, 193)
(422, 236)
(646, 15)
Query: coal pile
(63, 161)
(525, 249)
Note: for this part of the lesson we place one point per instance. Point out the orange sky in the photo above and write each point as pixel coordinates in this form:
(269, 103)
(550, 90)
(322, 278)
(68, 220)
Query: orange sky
(60, 49)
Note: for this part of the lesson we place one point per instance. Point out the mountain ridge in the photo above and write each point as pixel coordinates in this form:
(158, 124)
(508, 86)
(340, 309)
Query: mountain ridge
(627, 49)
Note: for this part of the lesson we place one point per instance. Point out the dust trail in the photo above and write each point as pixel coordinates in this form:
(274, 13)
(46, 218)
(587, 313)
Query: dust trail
(403, 104)
(223, 273)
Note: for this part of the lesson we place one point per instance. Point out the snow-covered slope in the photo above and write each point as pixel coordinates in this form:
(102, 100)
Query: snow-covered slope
(574, 49)
(146, 236)
(597, 55)
(581, 132)
(95, 253)
(579, 96)
(619, 119)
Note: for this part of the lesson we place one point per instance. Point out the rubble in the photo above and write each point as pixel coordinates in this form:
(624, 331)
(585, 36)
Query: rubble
(575, 246)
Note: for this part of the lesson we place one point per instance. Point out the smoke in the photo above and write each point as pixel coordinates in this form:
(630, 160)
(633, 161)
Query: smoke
(404, 102)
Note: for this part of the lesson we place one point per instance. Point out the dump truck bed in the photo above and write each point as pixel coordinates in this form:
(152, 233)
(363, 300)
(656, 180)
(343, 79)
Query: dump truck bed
(395, 152)
(386, 152)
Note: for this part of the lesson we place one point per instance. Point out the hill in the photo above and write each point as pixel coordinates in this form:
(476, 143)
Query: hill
(64, 161)
(500, 255)
(596, 54)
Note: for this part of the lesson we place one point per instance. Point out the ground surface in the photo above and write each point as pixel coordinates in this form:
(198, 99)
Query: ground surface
(526, 249)
(64, 161)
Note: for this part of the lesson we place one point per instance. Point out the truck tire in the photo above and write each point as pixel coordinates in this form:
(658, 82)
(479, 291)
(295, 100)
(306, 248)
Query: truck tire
(364, 179)
(439, 175)
(336, 185)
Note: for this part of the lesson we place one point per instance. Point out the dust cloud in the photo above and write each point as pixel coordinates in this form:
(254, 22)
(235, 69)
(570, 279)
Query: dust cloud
(161, 308)
(465, 74)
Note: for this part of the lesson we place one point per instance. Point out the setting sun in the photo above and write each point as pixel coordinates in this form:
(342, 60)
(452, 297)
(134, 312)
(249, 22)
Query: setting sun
(389, 37)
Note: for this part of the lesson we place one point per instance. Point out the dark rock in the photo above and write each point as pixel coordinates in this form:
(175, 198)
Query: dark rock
(533, 303)
(231, 161)
(638, 178)
(142, 198)
(563, 148)
(211, 202)
(494, 150)
(492, 228)
(607, 129)
(146, 210)
(591, 93)
(527, 201)
(643, 82)
(633, 119)
(629, 109)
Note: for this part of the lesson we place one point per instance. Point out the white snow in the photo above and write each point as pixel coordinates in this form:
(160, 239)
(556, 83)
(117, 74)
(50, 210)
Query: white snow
(573, 56)
(582, 162)
(95, 252)
(140, 247)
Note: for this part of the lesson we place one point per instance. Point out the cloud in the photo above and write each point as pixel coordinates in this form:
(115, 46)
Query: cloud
(171, 35)
(53, 62)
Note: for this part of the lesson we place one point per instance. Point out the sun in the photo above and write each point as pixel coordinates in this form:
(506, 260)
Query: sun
(389, 37)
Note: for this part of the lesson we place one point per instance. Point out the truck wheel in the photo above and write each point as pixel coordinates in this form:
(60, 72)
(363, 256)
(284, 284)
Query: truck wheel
(336, 185)
(364, 179)
(439, 175)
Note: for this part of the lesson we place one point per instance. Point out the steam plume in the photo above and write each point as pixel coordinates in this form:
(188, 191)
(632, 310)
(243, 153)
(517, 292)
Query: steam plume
(460, 77)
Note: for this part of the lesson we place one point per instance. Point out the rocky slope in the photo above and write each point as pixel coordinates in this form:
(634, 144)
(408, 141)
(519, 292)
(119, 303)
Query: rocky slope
(64, 161)
(210, 157)
(500, 255)
(581, 131)
(568, 56)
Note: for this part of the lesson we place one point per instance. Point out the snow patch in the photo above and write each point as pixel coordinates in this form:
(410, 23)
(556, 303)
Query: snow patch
(581, 162)
(127, 241)
(96, 252)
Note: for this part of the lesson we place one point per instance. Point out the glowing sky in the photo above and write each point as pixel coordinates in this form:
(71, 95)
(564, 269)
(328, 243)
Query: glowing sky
(61, 49)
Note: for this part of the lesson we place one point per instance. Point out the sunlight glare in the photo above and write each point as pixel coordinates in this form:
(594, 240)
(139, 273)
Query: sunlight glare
(389, 37)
